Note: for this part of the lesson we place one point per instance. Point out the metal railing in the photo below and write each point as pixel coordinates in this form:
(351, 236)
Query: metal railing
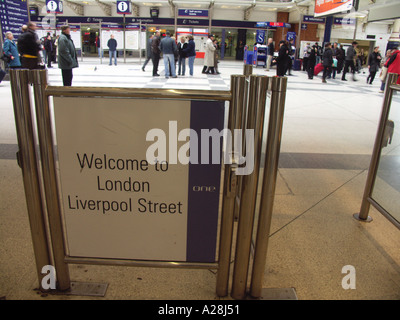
(246, 106)
(380, 142)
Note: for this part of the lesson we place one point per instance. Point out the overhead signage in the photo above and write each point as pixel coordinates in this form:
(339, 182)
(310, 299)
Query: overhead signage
(312, 19)
(344, 21)
(193, 13)
(117, 203)
(273, 24)
(124, 7)
(54, 6)
(13, 15)
(328, 7)
(193, 22)
(169, 21)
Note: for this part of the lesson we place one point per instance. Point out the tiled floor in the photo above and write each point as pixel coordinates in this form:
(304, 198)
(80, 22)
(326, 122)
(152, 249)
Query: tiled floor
(328, 136)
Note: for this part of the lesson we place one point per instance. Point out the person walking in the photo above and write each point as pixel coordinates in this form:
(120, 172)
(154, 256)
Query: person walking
(270, 53)
(349, 61)
(182, 45)
(209, 55)
(112, 49)
(374, 61)
(67, 58)
(327, 61)
(168, 48)
(148, 52)
(155, 53)
(190, 52)
(29, 47)
(11, 51)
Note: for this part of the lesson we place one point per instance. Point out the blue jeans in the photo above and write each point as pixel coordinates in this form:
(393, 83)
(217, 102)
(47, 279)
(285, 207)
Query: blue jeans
(191, 63)
(182, 66)
(169, 60)
(113, 54)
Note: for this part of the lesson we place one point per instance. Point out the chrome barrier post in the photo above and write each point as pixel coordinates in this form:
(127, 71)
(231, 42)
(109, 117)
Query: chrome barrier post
(365, 205)
(230, 185)
(255, 121)
(278, 95)
(28, 162)
(247, 69)
(46, 145)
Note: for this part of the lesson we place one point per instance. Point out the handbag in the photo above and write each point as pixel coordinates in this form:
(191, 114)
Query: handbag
(5, 57)
(383, 74)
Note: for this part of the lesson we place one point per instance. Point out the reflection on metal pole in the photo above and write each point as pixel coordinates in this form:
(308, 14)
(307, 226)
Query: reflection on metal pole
(255, 121)
(28, 162)
(278, 87)
(49, 177)
(230, 184)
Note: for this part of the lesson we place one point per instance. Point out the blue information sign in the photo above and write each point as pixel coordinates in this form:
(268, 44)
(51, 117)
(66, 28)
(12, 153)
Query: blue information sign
(124, 7)
(54, 6)
(13, 14)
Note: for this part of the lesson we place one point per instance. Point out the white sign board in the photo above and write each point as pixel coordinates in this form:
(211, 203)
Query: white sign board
(118, 35)
(115, 203)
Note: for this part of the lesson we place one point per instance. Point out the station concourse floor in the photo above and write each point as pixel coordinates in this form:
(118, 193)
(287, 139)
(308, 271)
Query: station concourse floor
(328, 136)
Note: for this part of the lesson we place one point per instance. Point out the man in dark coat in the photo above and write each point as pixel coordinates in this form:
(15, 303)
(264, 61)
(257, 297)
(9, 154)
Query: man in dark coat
(29, 48)
(374, 60)
(48, 46)
(67, 58)
(283, 59)
(327, 61)
(312, 58)
(155, 52)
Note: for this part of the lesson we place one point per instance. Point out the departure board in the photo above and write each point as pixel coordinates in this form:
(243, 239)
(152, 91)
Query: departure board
(13, 14)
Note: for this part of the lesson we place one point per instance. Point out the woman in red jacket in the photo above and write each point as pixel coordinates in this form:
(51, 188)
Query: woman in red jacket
(393, 64)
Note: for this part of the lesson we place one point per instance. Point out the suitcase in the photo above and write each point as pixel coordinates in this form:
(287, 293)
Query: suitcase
(318, 68)
(2, 75)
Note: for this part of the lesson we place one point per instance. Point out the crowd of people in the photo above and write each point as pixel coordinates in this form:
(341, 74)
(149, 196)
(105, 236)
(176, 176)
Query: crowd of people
(177, 53)
(334, 59)
(26, 53)
(33, 53)
(331, 60)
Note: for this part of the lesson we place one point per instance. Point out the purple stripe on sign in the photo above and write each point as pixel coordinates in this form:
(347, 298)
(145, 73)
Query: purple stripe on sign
(204, 186)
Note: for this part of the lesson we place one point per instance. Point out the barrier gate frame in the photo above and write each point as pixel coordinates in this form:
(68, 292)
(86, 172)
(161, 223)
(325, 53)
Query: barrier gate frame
(247, 104)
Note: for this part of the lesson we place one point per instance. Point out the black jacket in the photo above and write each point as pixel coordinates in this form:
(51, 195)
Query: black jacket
(28, 43)
(283, 56)
(327, 58)
(181, 49)
(374, 62)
